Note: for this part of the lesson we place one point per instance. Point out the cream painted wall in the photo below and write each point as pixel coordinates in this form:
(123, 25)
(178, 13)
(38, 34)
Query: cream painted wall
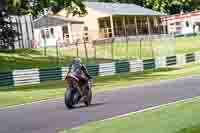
(90, 20)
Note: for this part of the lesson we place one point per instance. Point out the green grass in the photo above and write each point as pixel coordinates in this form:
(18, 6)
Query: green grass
(149, 49)
(182, 117)
(55, 89)
(192, 129)
(34, 58)
(188, 44)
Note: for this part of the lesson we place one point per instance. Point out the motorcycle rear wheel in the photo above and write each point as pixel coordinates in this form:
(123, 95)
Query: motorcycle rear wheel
(89, 98)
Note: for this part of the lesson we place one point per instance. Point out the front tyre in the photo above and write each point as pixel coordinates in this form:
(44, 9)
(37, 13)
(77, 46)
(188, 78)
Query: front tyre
(69, 98)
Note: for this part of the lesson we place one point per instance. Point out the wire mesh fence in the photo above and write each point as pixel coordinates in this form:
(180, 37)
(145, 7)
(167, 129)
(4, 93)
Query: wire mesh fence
(90, 46)
(131, 42)
(142, 47)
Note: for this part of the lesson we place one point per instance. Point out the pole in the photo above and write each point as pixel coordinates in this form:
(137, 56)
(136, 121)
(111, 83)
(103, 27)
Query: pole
(45, 40)
(112, 48)
(76, 43)
(95, 52)
(136, 26)
(149, 26)
(140, 48)
(22, 38)
(28, 33)
(45, 44)
(112, 26)
(86, 53)
(57, 53)
(125, 34)
(17, 25)
(152, 48)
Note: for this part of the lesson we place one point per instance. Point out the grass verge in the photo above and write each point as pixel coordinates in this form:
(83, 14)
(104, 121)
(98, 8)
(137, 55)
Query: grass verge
(34, 58)
(55, 89)
(182, 117)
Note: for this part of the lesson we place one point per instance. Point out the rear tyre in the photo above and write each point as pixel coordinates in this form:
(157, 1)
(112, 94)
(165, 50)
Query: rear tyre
(89, 98)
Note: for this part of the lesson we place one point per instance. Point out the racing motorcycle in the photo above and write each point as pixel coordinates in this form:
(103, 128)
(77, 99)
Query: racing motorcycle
(74, 94)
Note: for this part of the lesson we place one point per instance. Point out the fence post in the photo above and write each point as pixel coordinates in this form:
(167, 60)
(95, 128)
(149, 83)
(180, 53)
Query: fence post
(95, 52)
(77, 53)
(57, 54)
(140, 48)
(152, 48)
(86, 52)
(112, 48)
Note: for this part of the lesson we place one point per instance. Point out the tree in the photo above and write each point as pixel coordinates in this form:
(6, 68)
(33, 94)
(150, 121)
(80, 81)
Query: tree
(34, 7)
(166, 6)
(7, 33)
(137, 2)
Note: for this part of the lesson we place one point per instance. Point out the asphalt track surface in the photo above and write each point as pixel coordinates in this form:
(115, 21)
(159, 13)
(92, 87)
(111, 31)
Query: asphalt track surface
(52, 116)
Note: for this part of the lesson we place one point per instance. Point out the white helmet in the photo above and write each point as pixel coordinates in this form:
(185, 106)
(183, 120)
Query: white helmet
(77, 61)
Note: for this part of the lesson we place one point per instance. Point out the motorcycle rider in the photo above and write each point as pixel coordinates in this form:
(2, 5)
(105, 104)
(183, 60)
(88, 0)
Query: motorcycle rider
(81, 73)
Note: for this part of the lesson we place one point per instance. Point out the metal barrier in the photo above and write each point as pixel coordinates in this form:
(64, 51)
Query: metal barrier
(93, 70)
(149, 64)
(26, 77)
(171, 60)
(50, 74)
(36, 76)
(6, 79)
(190, 58)
(122, 67)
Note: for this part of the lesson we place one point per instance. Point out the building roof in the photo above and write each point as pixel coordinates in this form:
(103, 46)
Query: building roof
(122, 9)
(51, 21)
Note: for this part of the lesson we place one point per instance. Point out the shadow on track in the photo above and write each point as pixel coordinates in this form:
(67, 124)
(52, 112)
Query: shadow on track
(80, 106)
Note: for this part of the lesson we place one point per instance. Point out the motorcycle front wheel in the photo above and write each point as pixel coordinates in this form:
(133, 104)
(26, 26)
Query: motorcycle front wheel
(69, 96)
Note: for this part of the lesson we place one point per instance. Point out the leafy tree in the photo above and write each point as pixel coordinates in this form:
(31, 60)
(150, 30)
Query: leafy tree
(7, 33)
(167, 6)
(34, 7)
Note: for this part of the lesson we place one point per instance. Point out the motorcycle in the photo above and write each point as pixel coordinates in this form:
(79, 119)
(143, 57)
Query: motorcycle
(74, 94)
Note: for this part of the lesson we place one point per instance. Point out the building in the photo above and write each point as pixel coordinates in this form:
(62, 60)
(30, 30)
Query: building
(51, 30)
(183, 23)
(24, 27)
(106, 20)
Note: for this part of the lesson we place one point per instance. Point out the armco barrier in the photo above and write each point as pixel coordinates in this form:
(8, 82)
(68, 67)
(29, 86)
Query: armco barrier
(93, 70)
(36, 76)
(190, 58)
(136, 66)
(26, 77)
(64, 72)
(107, 69)
(171, 60)
(160, 62)
(122, 67)
(50, 74)
(197, 56)
(149, 64)
(181, 59)
(6, 79)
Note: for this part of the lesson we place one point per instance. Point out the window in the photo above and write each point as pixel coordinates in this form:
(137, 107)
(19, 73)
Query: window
(47, 33)
(65, 30)
(43, 34)
(52, 32)
(178, 23)
(85, 28)
(187, 24)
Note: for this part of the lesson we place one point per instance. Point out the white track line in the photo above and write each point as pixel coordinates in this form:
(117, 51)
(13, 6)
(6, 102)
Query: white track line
(37, 102)
(144, 110)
